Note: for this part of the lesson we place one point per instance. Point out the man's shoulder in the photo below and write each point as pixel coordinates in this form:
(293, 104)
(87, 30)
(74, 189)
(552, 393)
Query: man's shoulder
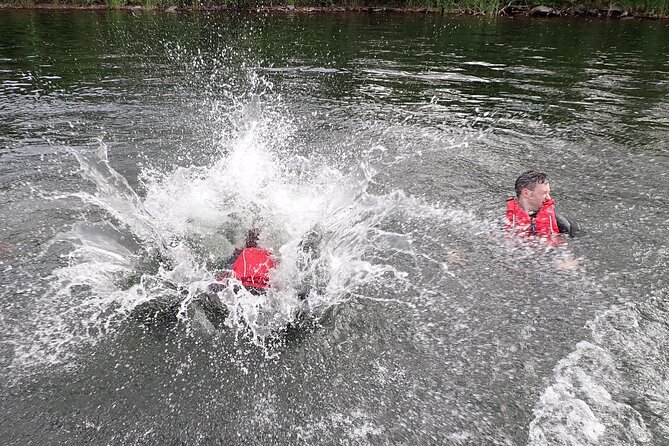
(564, 225)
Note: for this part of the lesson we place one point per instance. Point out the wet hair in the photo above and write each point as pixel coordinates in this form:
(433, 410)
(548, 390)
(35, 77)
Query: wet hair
(252, 237)
(529, 180)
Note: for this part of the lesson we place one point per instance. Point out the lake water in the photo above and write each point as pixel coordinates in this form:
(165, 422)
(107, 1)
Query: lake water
(136, 150)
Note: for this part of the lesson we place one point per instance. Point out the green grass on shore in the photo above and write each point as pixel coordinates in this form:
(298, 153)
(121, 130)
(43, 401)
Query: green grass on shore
(488, 7)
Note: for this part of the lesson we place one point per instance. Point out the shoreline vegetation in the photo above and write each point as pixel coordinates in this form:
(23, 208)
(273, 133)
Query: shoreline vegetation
(621, 9)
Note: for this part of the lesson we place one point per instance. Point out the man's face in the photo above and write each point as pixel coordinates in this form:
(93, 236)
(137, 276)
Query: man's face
(535, 198)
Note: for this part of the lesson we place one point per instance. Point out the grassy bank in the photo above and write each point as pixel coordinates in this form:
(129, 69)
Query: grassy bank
(537, 8)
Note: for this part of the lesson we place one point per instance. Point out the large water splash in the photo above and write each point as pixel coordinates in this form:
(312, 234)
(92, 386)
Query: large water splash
(330, 233)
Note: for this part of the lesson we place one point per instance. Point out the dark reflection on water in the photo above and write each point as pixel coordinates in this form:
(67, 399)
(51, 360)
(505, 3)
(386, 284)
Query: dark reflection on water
(447, 109)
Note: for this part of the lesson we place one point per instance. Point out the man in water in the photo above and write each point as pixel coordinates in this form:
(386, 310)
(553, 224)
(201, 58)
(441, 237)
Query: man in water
(532, 212)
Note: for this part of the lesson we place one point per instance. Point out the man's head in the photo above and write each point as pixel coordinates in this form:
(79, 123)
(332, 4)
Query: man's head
(532, 189)
(252, 237)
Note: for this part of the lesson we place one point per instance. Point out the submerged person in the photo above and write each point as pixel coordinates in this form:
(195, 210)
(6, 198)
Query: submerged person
(251, 265)
(532, 212)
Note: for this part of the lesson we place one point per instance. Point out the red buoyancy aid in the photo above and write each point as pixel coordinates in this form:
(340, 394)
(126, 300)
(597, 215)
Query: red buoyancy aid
(543, 224)
(252, 267)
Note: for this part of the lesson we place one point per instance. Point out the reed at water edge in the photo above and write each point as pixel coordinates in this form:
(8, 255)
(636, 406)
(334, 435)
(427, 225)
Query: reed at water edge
(606, 8)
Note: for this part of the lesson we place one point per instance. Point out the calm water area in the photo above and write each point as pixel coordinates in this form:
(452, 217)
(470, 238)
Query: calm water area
(137, 149)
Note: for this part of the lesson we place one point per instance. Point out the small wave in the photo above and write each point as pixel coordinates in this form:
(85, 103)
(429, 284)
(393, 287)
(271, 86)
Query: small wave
(613, 389)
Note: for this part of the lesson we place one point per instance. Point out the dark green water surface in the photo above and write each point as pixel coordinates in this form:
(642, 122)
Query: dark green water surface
(401, 136)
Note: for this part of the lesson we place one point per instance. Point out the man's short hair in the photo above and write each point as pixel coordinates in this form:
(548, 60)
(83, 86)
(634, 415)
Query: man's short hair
(529, 180)
(252, 237)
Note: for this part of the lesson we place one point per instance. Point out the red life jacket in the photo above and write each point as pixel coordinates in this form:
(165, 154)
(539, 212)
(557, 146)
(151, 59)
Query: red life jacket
(543, 224)
(252, 267)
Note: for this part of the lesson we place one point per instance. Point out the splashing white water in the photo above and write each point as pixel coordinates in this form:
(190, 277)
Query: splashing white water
(168, 245)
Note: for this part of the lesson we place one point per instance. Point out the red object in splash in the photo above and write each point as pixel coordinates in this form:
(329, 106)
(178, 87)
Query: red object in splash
(252, 267)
